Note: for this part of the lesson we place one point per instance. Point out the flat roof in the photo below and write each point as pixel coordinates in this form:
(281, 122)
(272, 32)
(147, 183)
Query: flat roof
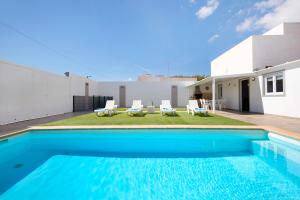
(283, 66)
(223, 77)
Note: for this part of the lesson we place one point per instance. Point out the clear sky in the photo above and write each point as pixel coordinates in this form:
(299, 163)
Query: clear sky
(120, 39)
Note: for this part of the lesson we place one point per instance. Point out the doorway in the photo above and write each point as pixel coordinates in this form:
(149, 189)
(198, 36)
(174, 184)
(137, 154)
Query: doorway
(245, 96)
(86, 89)
(86, 96)
(174, 96)
(122, 96)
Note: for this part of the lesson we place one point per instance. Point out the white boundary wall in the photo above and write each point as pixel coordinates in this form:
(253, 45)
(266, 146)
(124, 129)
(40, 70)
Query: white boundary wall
(147, 91)
(29, 93)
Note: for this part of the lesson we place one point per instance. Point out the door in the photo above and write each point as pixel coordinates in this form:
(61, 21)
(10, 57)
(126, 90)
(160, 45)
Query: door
(174, 96)
(122, 96)
(245, 95)
(86, 97)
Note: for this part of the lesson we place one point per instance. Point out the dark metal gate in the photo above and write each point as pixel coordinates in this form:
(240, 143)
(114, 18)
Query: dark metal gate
(81, 104)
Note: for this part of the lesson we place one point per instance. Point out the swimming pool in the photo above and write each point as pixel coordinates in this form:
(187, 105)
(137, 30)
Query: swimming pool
(149, 164)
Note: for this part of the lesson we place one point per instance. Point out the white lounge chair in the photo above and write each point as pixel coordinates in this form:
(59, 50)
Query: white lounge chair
(205, 104)
(193, 108)
(110, 109)
(136, 108)
(166, 108)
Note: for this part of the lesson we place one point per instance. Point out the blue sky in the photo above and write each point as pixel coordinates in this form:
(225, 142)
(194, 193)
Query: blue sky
(120, 39)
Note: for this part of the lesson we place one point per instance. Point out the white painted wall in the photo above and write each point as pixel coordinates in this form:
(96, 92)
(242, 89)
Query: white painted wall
(78, 85)
(28, 93)
(148, 92)
(278, 30)
(277, 46)
(237, 60)
(285, 29)
(271, 50)
(231, 93)
(292, 28)
(287, 105)
(256, 104)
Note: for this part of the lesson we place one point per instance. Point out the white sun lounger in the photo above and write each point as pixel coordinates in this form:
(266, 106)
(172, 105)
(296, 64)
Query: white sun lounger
(193, 108)
(136, 108)
(166, 108)
(110, 109)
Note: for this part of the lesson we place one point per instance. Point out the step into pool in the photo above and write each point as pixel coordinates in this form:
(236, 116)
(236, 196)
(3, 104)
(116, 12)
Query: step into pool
(149, 164)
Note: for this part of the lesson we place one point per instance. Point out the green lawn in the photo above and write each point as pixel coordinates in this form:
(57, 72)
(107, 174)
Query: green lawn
(148, 119)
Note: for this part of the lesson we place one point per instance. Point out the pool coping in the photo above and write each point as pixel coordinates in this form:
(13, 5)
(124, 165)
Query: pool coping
(282, 132)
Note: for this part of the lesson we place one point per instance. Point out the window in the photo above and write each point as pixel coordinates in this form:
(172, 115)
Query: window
(274, 84)
(270, 85)
(279, 83)
(220, 91)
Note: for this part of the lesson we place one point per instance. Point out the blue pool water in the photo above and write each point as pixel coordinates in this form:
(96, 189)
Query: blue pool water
(149, 164)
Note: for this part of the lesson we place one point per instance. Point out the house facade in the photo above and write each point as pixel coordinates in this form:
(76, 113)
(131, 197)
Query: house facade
(260, 74)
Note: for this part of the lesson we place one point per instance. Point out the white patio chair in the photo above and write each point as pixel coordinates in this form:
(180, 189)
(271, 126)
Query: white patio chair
(136, 108)
(166, 108)
(193, 108)
(110, 109)
(206, 104)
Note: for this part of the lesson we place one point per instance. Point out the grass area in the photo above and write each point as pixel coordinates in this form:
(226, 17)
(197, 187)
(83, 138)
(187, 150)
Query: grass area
(148, 119)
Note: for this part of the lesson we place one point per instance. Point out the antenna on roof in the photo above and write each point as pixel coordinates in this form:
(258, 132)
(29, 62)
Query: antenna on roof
(67, 74)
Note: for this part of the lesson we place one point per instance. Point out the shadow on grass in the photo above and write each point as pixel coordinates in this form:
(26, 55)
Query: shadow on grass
(137, 115)
(170, 115)
(107, 115)
(202, 115)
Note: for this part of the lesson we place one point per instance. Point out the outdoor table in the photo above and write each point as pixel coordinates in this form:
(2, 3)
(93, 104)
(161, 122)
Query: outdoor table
(151, 109)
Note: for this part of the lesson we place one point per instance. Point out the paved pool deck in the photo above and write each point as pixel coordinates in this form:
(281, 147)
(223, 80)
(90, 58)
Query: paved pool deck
(275, 130)
(280, 122)
(18, 126)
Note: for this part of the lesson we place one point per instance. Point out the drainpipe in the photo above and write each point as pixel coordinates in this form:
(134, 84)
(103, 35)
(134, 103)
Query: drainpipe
(213, 95)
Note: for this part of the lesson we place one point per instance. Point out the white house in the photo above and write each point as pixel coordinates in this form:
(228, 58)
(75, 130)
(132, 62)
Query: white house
(260, 74)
